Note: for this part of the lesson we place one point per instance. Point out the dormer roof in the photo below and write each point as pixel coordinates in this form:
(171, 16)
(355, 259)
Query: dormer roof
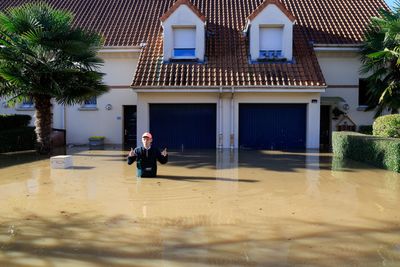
(268, 2)
(178, 4)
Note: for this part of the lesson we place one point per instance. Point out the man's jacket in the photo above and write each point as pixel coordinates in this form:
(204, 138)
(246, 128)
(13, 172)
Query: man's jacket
(146, 161)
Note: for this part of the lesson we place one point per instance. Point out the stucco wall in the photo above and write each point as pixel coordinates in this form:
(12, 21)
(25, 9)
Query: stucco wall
(227, 121)
(342, 72)
(120, 68)
(109, 123)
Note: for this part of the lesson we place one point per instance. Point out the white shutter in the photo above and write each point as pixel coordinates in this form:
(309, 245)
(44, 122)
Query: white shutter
(185, 38)
(271, 38)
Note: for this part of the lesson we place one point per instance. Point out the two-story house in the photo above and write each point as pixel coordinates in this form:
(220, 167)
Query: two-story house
(215, 73)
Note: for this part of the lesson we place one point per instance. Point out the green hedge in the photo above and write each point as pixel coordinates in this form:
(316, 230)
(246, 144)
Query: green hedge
(13, 121)
(387, 126)
(378, 151)
(17, 139)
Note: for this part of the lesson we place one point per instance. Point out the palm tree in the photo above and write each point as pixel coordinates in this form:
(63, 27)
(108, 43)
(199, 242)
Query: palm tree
(380, 55)
(43, 57)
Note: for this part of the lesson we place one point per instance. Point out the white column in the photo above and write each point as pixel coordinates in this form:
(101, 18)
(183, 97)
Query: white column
(313, 121)
(143, 117)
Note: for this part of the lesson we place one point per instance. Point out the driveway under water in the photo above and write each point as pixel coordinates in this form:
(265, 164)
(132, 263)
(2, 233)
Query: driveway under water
(221, 208)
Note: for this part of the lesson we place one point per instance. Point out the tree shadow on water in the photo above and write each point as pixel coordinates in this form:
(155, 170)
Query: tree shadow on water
(125, 241)
(200, 179)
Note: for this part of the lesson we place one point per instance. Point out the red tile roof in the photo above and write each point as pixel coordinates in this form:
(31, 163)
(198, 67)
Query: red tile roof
(178, 4)
(131, 22)
(275, 2)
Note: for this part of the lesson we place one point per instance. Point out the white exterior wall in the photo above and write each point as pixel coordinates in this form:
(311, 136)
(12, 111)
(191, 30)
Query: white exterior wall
(81, 124)
(342, 72)
(273, 16)
(183, 16)
(228, 120)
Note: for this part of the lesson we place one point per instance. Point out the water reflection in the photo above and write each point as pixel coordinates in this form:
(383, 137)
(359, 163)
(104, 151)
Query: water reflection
(224, 208)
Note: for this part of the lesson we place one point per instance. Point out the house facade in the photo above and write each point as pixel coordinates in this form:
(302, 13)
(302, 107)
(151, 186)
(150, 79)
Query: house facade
(220, 74)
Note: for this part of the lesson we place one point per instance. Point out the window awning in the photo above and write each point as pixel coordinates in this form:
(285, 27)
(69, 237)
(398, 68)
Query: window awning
(331, 100)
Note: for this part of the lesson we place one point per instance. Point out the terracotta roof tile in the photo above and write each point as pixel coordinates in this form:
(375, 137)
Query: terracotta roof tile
(178, 4)
(275, 2)
(132, 22)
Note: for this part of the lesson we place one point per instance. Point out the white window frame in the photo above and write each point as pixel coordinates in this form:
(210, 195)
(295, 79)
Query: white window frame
(189, 46)
(89, 105)
(26, 104)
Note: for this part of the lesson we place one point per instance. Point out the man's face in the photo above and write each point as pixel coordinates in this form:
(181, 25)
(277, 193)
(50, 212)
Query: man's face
(146, 141)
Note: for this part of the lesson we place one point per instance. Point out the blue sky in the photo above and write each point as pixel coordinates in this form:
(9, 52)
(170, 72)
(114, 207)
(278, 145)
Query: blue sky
(390, 2)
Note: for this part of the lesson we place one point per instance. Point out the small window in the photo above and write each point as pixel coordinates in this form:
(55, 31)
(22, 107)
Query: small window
(271, 42)
(27, 103)
(184, 52)
(184, 43)
(270, 53)
(362, 92)
(90, 103)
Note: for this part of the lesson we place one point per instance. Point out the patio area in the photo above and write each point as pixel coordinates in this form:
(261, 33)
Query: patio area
(221, 208)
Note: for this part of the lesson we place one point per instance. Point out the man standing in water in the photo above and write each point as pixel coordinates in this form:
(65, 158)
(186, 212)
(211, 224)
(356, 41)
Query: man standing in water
(146, 157)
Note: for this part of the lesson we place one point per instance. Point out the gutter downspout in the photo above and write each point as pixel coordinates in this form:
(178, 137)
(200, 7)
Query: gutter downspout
(220, 135)
(232, 135)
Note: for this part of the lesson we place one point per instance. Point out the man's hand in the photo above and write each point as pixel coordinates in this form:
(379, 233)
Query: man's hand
(164, 153)
(132, 153)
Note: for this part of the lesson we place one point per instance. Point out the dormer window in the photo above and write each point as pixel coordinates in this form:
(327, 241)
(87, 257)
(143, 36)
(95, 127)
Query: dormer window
(270, 30)
(184, 43)
(184, 35)
(271, 42)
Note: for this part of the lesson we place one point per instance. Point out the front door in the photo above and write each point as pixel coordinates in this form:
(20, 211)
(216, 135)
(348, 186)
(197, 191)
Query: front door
(130, 126)
(325, 128)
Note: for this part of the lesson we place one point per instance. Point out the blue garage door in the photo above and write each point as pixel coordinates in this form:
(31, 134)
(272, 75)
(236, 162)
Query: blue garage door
(272, 126)
(185, 126)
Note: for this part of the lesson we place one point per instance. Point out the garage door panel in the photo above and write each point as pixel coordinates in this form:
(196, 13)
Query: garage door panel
(272, 126)
(183, 125)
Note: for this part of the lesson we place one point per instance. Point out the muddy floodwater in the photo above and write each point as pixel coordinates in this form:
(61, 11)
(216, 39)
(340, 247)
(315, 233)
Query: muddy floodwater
(206, 208)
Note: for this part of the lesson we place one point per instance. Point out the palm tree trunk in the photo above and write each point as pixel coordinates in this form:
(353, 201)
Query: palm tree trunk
(43, 123)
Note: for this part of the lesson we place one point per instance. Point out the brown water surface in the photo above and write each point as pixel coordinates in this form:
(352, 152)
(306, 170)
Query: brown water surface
(221, 208)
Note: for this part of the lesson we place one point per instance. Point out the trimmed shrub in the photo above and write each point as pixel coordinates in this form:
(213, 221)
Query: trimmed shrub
(17, 139)
(365, 129)
(13, 121)
(387, 126)
(378, 151)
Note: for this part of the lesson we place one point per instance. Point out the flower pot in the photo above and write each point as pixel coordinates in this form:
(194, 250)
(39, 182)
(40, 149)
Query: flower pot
(96, 143)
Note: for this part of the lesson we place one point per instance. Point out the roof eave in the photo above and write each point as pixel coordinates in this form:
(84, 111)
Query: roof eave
(230, 89)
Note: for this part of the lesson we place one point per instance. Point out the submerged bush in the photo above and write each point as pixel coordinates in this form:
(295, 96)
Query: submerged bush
(378, 151)
(13, 121)
(17, 139)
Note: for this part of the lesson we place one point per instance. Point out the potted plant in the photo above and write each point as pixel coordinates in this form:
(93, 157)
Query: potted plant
(96, 142)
